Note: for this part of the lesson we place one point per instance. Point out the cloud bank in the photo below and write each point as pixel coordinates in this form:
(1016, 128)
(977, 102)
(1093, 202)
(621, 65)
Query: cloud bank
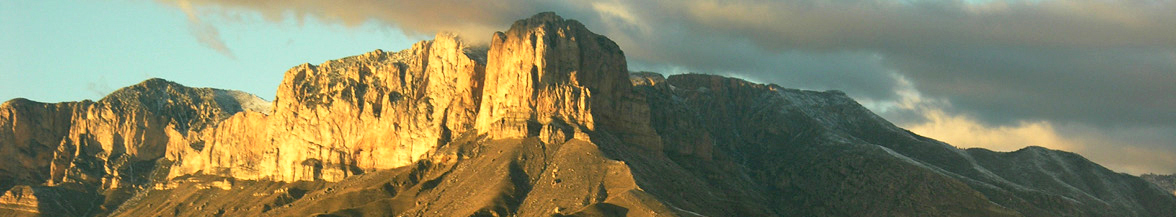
(1094, 77)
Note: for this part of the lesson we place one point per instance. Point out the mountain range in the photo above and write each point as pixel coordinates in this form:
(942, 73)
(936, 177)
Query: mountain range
(545, 121)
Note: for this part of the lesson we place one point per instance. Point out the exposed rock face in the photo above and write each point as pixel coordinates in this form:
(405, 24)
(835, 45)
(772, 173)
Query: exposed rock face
(551, 77)
(19, 201)
(31, 132)
(97, 141)
(109, 144)
(374, 111)
(546, 121)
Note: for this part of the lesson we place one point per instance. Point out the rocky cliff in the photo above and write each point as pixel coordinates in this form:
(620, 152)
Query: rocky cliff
(379, 110)
(114, 143)
(552, 78)
(545, 121)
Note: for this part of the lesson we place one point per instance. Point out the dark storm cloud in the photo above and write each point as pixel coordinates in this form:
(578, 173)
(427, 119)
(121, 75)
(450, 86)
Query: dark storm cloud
(1106, 65)
(1102, 63)
(1105, 87)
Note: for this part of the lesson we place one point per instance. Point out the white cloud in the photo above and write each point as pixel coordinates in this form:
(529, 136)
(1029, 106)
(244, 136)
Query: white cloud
(205, 33)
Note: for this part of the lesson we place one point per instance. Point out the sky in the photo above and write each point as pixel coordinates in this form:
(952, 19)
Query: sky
(1092, 77)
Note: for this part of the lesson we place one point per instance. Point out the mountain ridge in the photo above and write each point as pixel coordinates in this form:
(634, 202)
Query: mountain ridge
(547, 120)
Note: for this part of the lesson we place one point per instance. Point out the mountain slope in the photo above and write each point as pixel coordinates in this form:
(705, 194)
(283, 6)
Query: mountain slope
(1166, 182)
(545, 121)
(791, 138)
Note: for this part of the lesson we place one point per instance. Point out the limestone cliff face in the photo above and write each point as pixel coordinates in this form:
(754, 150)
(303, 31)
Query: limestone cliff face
(374, 111)
(115, 138)
(32, 131)
(551, 77)
(545, 77)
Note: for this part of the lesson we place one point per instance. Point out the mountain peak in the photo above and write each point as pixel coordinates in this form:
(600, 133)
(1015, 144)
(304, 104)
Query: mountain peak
(151, 85)
(553, 72)
(156, 82)
(544, 19)
(544, 16)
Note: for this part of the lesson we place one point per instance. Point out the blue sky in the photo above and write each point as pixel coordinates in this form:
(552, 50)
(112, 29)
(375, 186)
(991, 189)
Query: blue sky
(1091, 77)
(63, 50)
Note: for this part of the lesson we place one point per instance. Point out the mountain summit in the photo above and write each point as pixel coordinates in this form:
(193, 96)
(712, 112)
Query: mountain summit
(546, 121)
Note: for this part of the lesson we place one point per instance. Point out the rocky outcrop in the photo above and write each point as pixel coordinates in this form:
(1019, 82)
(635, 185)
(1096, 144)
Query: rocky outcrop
(20, 201)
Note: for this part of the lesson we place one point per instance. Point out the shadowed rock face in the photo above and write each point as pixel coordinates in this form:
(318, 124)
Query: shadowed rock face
(545, 121)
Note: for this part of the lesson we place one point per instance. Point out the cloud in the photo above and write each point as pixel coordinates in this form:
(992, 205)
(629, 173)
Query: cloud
(965, 132)
(1011, 73)
(206, 34)
(1115, 150)
(1134, 150)
(886, 25)
(99, 87)
(1105, 87)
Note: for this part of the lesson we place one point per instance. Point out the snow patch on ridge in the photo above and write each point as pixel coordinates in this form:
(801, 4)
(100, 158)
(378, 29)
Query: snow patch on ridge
(248, 102)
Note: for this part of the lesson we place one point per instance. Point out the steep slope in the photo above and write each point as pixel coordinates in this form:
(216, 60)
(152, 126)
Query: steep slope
(822, 146)
(546, 121)
(789, 155)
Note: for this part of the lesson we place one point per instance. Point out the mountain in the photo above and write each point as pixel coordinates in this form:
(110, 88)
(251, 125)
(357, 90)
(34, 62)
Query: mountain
(546, 120)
